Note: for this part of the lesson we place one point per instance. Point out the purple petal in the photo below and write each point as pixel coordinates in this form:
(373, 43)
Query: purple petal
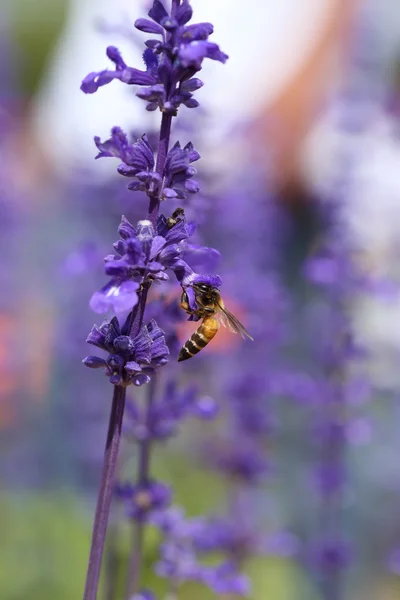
(191, 85)
(115, 147)
(117, 268)
(115, 295)
(159, 348)
(96, 337)
(213, 280)
(94, 362)
(126, 229)
(143, 344)
(169, 193)
(192, 153)
(150, 59)
(141, 379)
(135, 186)
(192, 186)
(148, 26)
(126, 171)
(153, 44)
(157, 11)
(152, 106)
(146, 150)
(182, 271)
(153, 93)
(156, 246)
(191, 103)
(129, 75)
(115, 56)
(192, 55)
(191, 298)
(132, 367)
(177, 234)
(133, 76)
(90, 83)
(197, 31)
(184, 13)
(115, 379)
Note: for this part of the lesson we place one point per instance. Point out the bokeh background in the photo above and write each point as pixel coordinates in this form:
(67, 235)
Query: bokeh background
(303, 117)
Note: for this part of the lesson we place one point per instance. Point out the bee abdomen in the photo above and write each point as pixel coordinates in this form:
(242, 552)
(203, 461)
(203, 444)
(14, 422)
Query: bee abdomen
(199, 339)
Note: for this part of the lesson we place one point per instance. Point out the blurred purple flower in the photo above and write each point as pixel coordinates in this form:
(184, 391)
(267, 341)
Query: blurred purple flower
(245, 461)
(144, 595)
(226, 579)
(167, 413)
(144, 498)
(330, 554)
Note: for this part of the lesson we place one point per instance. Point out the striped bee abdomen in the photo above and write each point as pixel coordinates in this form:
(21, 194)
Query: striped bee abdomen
(199, 339)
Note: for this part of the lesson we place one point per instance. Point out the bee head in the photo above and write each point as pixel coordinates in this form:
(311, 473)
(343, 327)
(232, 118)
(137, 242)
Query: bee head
(204, 288)
(206, 295)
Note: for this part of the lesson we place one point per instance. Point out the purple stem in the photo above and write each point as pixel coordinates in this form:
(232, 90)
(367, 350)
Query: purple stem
(135, 561)
(136, 557)
(163, 144)
(105, 493)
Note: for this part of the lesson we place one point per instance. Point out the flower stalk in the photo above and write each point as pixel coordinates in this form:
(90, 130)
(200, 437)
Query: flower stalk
(105, 493)
(163, 145)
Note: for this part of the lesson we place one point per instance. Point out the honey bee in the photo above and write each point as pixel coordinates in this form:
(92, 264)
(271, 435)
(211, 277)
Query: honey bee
(212, 311)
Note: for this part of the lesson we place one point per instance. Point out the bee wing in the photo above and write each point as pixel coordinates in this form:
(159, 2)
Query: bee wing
(229, 321)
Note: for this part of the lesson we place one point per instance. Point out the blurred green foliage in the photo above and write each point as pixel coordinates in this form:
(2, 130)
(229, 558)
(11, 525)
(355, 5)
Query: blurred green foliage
(44, 546)
(35, 27)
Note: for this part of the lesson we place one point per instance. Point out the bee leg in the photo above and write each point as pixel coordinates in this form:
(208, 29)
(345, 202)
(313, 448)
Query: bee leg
(185, 307)
(185, 303)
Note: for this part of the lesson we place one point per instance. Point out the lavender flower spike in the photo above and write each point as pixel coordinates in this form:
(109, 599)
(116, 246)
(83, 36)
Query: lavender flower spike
(145, 252)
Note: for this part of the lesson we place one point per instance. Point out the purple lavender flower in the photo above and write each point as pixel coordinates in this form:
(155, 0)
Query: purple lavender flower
(130, 360)
(179, 559)
(245, 461)
(238, 537)
(330, 554)
(226, 579)
(144, 256)
(144, 595)
(142, 499)
(179, 172)
(126, 74)
(168, 412)
(138, 162)
(170, 62)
